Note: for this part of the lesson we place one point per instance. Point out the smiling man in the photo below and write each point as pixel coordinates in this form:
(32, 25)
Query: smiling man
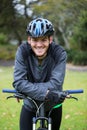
(39, 72)
(40, 45)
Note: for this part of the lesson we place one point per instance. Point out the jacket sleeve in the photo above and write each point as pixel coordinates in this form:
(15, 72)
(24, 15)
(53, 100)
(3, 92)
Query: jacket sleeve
(58, 73)
(38, 91)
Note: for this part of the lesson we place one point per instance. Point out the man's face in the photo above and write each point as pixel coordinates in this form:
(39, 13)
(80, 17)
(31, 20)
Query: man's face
(40, 45)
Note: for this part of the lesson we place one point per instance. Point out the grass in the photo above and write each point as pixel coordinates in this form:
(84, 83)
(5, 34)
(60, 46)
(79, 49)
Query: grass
(9, 109)
(74, 112)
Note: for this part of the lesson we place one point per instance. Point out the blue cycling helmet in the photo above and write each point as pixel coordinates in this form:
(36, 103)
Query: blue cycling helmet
(40, 27)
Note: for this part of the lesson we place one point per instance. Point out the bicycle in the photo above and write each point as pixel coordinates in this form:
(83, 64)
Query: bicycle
(45, 123)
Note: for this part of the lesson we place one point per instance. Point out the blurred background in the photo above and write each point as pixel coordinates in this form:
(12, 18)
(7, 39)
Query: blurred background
(68, 17)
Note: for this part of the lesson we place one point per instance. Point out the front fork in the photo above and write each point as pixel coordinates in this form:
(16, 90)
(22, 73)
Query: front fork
(42, 120)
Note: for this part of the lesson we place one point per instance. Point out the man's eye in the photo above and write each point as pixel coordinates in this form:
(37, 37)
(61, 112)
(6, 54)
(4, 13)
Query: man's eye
(35, 40)
(44, 40)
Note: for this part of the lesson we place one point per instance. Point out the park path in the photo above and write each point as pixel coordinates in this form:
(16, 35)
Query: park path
(76, 68)
(68, 66)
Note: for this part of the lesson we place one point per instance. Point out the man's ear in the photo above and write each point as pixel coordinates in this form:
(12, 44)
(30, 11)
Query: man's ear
(29, 39)
(51, 39)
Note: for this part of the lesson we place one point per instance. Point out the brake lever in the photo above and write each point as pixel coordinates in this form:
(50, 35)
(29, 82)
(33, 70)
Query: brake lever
(17, 95)
(69, 97)
(10, 97)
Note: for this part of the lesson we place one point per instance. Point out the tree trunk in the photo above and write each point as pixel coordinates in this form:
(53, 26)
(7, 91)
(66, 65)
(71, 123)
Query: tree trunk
(67, 46)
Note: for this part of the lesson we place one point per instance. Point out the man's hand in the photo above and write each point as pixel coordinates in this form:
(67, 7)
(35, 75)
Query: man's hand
(55, 97)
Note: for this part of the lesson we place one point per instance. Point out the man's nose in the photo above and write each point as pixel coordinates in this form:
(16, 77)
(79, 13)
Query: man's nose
(39, 43)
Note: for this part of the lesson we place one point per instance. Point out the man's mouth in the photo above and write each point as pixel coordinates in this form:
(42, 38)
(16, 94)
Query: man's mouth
(39, 49)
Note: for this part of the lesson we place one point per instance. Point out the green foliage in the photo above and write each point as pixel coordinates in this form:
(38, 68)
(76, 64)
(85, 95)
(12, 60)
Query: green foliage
(80, 58)
(79, 38)
(12, 22)
(7, 52)
(3, 39)
(63, 14)
(77, 57)
(7, 16)
(70, 54)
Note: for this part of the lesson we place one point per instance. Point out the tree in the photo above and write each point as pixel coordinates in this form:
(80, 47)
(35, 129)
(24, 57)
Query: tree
(63, 14)
(80, 32)
(13, 23)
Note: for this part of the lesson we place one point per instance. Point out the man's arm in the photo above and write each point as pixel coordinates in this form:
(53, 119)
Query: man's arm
(58, 73)
(38, 91)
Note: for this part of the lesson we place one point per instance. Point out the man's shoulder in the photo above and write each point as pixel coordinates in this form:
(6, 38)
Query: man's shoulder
(25, 48)
(24, 45)
(57, 51)
(56, 48)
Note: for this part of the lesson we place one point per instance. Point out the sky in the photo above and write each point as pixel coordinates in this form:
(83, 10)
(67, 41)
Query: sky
(20, 7)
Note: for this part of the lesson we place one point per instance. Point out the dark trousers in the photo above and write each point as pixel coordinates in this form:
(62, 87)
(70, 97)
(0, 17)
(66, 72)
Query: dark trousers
(26, 119)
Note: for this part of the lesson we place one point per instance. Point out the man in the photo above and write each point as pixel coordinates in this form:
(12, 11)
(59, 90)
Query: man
(39, 72)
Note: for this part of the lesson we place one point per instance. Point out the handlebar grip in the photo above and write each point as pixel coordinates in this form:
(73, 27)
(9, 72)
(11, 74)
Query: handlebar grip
(77, 91)
(9, 91)
(68, 91)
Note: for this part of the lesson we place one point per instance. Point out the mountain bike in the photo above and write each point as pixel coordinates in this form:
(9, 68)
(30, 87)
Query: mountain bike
(45, 123)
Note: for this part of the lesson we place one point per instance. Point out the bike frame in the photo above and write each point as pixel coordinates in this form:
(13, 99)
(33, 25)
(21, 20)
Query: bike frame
(40, 109)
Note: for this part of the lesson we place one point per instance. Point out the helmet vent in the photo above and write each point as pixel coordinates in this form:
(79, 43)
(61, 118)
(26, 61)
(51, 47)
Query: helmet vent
(34, 26)
(42, 26)
(47, 27)
(46, 21)
(30, 27)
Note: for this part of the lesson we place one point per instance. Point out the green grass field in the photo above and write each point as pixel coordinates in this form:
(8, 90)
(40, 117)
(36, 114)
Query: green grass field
(74, 112)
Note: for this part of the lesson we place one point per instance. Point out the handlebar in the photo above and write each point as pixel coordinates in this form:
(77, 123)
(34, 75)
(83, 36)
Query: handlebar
(77, 91)
(9, 91)
(18, 96)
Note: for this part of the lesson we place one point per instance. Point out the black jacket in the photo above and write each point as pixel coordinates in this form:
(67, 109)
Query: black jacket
(35, 80)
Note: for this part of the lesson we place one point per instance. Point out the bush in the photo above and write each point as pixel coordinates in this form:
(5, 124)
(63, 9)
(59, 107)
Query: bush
(80, 58)
(79, 38)
(70, 54)
(77, 57)
(7, 52)
(3, 39)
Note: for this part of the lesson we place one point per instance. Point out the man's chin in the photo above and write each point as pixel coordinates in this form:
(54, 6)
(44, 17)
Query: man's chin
(41, 56)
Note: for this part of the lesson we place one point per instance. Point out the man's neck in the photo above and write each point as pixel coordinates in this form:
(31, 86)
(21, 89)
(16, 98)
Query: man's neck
(40, 59)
